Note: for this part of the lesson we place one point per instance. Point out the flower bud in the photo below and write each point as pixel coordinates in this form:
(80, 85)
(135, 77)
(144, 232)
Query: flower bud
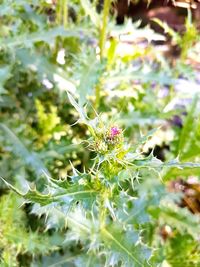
(107, 139)
(113, 137)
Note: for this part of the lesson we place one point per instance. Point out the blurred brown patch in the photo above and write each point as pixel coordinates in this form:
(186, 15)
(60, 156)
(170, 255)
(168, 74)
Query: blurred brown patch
(191, 193)
(171, 12)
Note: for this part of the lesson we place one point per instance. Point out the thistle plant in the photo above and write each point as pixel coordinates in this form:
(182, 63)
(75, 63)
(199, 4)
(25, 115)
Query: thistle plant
(112, 212)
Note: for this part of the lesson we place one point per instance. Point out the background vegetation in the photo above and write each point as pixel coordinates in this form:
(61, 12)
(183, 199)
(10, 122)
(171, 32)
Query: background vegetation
(99, 138)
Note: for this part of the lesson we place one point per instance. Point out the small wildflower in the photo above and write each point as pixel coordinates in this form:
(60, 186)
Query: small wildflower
(115, 131)
(108, 139)
(114, 136)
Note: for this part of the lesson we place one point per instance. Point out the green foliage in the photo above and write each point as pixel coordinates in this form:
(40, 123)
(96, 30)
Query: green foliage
(186, 251)
(46, 121)
(189, 143)
(84, 107)
(88, 202)
(17, 238)
(189, 38)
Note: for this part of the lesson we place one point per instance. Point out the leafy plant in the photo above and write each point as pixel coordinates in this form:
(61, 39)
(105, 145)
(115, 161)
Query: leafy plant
(16, 237)
(109, 203)
(104, 208)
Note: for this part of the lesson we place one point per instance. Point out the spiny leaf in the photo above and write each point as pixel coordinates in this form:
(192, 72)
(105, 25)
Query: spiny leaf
(123, 245)
(15, 237)
(75, 193)
(91, 71)
(48, 36)
(78, 108)
(34, 59)
(11, 187)
(145, 138)
(137, 213)
(83, 116)
(154, 163)
(22, 151)
(66, 196)
(126, 246)
(55, 260)
(188, 133)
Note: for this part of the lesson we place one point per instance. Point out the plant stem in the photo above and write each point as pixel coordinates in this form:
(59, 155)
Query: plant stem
(103, 210)
(59, 12)
(65, 13)
(103, 30)
(102, 42)
(97, 95)
(62, 12)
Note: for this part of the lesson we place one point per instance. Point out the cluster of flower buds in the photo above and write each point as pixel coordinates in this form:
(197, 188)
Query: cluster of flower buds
(108, 139)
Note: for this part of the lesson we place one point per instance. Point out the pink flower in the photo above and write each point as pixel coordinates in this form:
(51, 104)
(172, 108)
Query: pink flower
(114, 131)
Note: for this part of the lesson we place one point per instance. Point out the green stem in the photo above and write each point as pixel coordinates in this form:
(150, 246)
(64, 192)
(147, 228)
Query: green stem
(65, 13)
(103, 30)
(62, 12)
(97, 96)
(58, 12)
(102, 42)
(103, 212)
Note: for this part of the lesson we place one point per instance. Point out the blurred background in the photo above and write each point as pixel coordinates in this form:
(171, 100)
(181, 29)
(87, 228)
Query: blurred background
(137, 63)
